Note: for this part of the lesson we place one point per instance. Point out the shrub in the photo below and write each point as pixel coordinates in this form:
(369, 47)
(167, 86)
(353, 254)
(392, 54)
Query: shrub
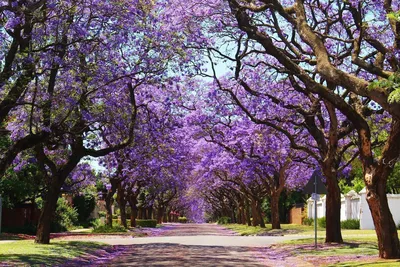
(350, 224)
(182, 219)
(321, 222)
(65, 216)
(224, 220)
(146, 223)
(107, 229)
(308, 221)
(84, 205)
(29, 229)
(102, 214)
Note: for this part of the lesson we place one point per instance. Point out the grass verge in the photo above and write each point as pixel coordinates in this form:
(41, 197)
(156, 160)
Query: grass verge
(27, 253)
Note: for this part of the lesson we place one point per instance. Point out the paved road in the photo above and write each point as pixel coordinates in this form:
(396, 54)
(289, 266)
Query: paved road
(197, 245)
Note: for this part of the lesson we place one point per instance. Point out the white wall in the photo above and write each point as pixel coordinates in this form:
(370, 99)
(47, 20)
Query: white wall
(355, 206)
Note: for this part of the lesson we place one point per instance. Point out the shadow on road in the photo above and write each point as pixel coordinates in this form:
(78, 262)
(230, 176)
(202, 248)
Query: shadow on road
(160, 254)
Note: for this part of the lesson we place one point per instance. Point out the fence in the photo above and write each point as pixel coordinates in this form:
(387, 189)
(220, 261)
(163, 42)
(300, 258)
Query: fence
(354, 206)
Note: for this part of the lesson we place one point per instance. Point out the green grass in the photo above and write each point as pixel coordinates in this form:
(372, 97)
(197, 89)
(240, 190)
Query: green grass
(357, 242)
(26, 252)
(246, 230)
(383, 263)
(286, 229)
(104, 229)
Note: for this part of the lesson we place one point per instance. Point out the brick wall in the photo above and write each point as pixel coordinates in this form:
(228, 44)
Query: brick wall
(295, 216)
(20, 216)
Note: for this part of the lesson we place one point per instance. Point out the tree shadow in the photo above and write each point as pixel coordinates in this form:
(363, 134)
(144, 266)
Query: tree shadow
(161, 254)
(51, 255)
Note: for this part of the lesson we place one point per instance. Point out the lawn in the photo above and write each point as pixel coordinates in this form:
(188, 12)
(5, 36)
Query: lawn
(26, 252)
(286, 229)
(360, 247)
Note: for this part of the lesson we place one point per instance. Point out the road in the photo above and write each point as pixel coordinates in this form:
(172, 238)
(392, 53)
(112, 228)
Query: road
(198, 245)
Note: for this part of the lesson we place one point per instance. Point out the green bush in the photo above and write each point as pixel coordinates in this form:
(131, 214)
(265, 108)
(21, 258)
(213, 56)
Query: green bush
(321, 222)
(224, 220)
(84, 205)
(106, 229)
(350, 224)
(29, 229)
(182, 219)
(102, 214)
(308, 221)
(65, 216)
(146, 223)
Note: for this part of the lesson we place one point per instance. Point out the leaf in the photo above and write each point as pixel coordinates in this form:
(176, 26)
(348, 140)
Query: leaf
(394, 96)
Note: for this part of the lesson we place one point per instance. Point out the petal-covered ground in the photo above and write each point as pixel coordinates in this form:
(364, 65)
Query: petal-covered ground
(191, 245)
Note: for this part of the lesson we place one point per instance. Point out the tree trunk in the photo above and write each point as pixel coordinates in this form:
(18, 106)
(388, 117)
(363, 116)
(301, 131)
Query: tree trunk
(333, 206)
(259, 211)
(254, 213)
(47, 213)
(109, 201)
(122, 204)
(122, 207)
(165, 216)
(160, 214)
(248, 218)
(134, 210)
(385, 227)
(275, 220)
(150, 213)
(239, 215)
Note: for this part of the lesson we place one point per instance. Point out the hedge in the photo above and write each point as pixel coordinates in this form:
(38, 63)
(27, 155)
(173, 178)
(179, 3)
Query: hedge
(182, 219)
(350, 224)
(146, 223)
(224, 220)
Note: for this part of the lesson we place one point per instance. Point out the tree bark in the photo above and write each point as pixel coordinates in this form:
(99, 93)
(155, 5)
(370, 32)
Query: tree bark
(122, 204)
(259, 211)
(109, 201)
(134, 210)
(254, 213)
(375, 178)
(385, 227)
(275, 220)
(160, 214)
(248, 218)
(333, 206)
(47, 213)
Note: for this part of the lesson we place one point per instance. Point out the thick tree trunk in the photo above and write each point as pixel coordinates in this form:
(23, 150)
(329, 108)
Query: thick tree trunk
(134, 210)
(47, 213)
(375, 178)
(385, 226)
(332, 214)
(165, 216)
(248, 217)
(109, 201)
(275, 220)
(160, 214)
(260, 215)
(233, 216)
(239, 219)
(122, 205)
(254, 212)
